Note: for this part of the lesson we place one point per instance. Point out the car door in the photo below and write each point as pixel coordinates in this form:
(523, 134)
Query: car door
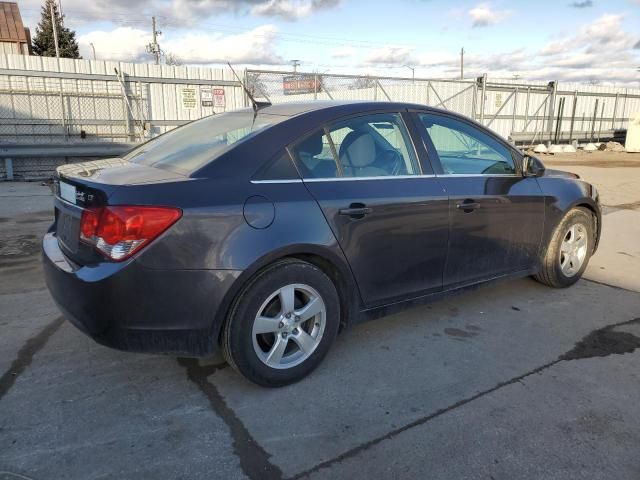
(496, 214)
(388, 214)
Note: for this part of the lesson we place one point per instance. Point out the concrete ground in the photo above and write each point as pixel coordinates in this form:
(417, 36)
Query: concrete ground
(513, 380)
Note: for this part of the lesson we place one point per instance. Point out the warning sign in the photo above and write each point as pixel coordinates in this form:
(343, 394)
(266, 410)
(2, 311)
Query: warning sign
(218, 97)
(206, 97)
(188, 98)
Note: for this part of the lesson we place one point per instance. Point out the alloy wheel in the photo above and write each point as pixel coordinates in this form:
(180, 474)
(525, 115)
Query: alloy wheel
(573, 249)
(289, 326)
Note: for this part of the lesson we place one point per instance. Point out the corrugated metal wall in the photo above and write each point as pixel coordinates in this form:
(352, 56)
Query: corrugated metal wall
(45, 99)
(49, 101)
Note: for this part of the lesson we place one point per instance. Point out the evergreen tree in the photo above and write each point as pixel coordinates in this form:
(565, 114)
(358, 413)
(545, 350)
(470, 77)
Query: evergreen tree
(43, 43)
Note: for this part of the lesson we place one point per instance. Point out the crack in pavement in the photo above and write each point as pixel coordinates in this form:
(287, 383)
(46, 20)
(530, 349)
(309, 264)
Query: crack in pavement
(609, 285)
(254, 460)
(598, 343)
(25, 355)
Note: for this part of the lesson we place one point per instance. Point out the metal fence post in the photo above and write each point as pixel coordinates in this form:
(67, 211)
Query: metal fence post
(474, 100)
(615, 110)
(483, 92)
(315, 86)
(126, 106)
(552, 99)
(247, 86)
(593, 120)
(573, 115)
(600, 124)
(515, 107)
(526, 108)
(8, 168)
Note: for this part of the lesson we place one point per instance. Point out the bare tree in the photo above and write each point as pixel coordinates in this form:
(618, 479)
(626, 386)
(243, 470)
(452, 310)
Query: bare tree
(363, 82)
(172, 59)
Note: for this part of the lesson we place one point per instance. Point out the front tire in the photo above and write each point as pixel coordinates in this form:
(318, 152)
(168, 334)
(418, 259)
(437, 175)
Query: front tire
(282, 324)
(567, 255)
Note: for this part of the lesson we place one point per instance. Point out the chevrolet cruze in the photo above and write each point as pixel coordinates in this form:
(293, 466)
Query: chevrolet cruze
(265, 231)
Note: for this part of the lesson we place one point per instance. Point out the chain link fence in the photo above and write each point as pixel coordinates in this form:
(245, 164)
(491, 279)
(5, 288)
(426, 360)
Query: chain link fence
(526, 113)
(54, 112)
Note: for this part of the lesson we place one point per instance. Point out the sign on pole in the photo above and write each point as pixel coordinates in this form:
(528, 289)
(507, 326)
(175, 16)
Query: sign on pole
(206, 97)
(218, 97)
(188, 98)
(298, 84)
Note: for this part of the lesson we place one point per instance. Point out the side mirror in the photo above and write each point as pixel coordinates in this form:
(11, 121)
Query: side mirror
(532, 166)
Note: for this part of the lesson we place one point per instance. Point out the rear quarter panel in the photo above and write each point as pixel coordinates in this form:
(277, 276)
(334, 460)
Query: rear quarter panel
(213, 233)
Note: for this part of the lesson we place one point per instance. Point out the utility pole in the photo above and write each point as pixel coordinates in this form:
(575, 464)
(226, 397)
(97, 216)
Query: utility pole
(295, 64)
(413, 73)
(462, 63)
(93, 47)
(154, 48)
(54, 26)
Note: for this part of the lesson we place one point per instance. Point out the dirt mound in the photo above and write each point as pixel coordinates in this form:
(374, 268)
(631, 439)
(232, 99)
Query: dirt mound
(611, 147)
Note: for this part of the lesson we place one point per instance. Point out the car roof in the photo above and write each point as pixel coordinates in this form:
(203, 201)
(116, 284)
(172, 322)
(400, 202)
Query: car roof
(292, 109)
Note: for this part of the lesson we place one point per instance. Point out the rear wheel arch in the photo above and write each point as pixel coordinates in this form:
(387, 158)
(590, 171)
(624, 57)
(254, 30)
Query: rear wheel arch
(340, 276)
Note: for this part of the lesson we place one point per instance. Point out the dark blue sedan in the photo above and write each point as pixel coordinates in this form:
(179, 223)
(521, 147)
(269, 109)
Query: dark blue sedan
(265, 231)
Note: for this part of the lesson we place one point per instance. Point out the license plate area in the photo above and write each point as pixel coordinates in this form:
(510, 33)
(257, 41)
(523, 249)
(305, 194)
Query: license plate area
(68, 192)
(68, 226)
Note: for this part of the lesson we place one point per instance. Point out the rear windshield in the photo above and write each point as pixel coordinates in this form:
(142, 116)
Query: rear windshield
(192, 146)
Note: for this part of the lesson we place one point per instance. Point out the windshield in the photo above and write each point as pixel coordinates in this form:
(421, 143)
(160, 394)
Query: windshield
(191, 146)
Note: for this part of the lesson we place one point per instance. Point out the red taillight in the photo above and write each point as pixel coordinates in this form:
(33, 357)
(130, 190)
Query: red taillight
(120, 231)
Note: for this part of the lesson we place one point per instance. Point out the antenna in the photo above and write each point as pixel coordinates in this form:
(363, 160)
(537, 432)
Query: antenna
(256, 104)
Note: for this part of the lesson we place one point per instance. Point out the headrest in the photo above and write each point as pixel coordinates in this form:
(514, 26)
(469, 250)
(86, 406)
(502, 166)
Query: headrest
(312, 145)
(358, 150)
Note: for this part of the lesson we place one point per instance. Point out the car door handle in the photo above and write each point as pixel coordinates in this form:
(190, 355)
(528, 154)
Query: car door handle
(356, 210)
(468, 206)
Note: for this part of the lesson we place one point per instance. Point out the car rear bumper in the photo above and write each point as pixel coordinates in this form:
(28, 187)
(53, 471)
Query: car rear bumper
(134, 308)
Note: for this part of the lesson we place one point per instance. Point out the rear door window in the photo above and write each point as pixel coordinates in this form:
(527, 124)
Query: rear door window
(375, 145)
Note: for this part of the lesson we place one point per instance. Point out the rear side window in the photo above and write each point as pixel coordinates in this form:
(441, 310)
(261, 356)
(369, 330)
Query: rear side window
(192, 146)
(280, 168)
(367, 146)
(466, 150)
(315, 156)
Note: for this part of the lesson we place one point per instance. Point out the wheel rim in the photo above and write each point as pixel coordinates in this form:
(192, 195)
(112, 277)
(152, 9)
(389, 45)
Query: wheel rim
(289, 326)
(573, 250)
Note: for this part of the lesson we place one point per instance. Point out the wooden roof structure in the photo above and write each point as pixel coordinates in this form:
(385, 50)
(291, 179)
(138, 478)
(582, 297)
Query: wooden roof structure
(11, 26)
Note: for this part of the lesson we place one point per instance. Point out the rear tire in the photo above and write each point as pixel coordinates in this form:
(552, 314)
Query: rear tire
(282, 324)
(566, 257)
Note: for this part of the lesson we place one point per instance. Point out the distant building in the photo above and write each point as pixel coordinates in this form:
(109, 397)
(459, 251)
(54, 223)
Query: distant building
(14, 37)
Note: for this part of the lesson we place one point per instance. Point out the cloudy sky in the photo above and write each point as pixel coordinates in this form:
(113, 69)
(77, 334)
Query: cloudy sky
(582, 40)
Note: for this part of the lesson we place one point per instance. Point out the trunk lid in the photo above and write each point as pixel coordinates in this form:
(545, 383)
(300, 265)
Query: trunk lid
(80, 186)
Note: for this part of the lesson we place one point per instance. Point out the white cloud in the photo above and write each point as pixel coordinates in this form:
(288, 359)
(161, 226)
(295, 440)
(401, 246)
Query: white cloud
(175, 12)
(124, 43)
(389, 55)
(344, 52)
(255, 47)
(291, 9)
(483, 15)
